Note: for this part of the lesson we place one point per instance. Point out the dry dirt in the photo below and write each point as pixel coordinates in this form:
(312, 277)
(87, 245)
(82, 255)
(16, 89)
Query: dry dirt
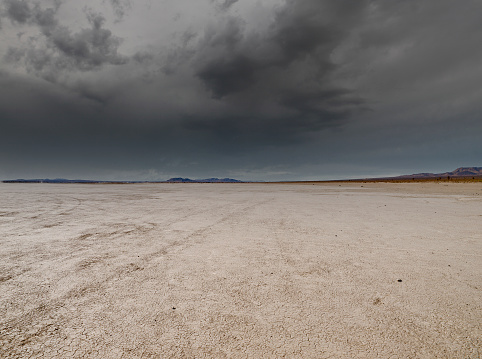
(241, 271)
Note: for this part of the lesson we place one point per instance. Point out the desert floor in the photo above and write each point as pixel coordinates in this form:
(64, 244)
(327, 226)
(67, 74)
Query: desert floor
(241, 270)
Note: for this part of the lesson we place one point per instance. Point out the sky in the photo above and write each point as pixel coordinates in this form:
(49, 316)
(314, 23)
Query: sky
(253, 90)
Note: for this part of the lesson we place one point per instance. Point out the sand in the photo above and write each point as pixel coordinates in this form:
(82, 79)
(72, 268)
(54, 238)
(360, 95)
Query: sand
(241, 271)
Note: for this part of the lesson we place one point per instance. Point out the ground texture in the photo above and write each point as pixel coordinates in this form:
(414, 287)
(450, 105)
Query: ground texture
(241, 271)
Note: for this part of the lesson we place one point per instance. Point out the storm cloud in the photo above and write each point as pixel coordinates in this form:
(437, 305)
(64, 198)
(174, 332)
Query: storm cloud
(225, 5)
(57, 49)
(276, 83)
(120, 7)
(292, 89)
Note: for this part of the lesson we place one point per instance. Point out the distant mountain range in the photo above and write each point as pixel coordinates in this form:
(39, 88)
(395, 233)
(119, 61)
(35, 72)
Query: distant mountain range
(63, 180)
(172, 180)
(207, 180)
(460, 172)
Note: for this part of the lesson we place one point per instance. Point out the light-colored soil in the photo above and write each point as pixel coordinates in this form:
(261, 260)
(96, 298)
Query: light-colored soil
(241, 271)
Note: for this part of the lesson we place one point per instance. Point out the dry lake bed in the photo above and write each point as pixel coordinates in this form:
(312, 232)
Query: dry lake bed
(344, 270)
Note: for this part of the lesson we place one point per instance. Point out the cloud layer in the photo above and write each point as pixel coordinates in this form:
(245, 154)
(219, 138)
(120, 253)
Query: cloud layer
(56, 49)
(292, 88)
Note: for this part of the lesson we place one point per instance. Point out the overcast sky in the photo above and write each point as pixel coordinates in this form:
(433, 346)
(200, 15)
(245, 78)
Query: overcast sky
(253, 90)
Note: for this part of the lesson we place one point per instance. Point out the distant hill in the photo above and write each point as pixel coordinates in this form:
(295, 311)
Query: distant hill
(206, 180)
(63, 180)
(180, 180)
(48, 180)
(458, 173)
(461, 173)
(172, 180)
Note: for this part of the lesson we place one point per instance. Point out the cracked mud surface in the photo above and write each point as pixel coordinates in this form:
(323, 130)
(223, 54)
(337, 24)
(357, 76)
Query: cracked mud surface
(241, 271)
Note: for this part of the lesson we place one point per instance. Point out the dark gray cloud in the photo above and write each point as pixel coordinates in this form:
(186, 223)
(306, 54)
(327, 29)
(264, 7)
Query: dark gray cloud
(18, 11)
(225, 4)
(58, 49)
(278, 88)
(283, 73)
(25, 12)
(89, 48)
(120, 7)
(232, 61)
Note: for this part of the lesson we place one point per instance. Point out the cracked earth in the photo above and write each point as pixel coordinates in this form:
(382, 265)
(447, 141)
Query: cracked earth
(241, 271)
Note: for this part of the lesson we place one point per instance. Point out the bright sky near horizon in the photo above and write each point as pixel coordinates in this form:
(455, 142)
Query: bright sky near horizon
(253, 90)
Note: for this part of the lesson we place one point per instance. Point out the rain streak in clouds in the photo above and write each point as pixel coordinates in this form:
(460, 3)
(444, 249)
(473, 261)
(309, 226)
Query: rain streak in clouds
(271, 90)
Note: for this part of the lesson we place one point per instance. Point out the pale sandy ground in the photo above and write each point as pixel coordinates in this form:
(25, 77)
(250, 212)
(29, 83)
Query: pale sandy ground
(241, 271)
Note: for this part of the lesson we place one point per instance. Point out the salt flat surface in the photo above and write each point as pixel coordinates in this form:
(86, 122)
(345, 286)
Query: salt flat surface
(241, 271)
